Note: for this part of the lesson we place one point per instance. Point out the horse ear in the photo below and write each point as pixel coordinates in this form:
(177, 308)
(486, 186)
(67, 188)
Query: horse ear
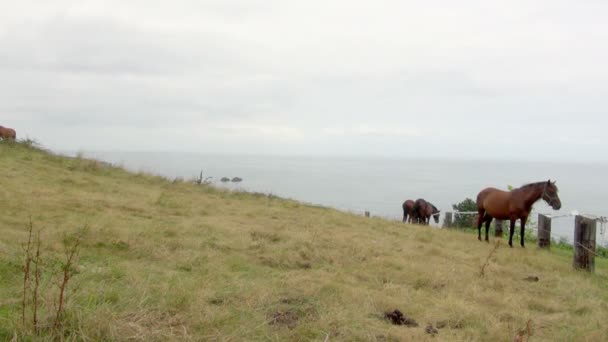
(549, 182)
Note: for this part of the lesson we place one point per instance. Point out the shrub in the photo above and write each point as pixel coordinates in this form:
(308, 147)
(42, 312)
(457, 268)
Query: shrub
(465, 221)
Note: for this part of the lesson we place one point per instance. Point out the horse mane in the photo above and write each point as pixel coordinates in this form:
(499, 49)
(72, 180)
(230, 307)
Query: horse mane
(532, 185)
(435, 210)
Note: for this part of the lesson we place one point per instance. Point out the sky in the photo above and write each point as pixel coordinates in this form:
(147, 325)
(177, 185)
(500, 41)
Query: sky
(434, 79)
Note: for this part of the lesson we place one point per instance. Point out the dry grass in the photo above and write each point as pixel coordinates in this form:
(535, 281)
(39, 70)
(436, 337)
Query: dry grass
(167, 260)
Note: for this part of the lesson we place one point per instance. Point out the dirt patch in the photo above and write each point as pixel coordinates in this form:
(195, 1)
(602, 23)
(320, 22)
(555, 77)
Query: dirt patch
(285, 318)
(285, 263)
(304, 265)
(449, 324)
(396, 317)
(431, 330)
(293, 301)
(434, 329)
(216, 301)
(439, 286)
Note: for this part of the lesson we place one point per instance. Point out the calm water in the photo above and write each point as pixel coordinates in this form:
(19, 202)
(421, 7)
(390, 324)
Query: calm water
(380, 185)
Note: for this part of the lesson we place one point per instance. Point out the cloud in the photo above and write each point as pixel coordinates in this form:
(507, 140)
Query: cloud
(308, 77)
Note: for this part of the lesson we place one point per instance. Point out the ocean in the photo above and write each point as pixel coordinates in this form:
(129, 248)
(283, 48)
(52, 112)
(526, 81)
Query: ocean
(380, 185)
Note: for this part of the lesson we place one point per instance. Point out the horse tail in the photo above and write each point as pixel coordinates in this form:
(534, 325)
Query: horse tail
(481, 198)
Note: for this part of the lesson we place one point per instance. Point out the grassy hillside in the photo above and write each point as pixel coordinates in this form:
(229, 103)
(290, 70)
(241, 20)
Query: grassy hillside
(169, 260)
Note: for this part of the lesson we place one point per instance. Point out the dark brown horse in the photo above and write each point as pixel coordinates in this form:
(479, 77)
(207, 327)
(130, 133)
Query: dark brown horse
(512, 205)
(7, 133)
(423, 211)
(408, 211)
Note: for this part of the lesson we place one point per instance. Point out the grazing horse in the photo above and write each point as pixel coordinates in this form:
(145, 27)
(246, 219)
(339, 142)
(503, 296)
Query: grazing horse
(513, 205)
(408, 211)
(423, 211)
(7, 133)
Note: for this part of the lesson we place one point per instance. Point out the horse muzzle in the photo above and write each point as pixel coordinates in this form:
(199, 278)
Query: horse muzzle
(556, 205)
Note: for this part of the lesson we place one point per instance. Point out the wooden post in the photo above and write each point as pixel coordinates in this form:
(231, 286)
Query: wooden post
(584, 243)
(366, 213)
(498, 225)
(447, 221)
(544, 231)
(455, 218)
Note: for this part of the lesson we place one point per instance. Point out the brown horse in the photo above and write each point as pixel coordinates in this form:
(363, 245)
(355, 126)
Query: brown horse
(423, 211)
(7, 133)
(408, 211)
(513, 205)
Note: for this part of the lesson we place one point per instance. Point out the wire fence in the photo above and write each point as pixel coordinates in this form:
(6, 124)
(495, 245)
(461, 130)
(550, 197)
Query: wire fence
(601, 220)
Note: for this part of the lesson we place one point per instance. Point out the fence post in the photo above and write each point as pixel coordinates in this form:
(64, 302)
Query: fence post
(584, 243)
(498, 225)
(447, 221)
(457, 218)
(544, 231)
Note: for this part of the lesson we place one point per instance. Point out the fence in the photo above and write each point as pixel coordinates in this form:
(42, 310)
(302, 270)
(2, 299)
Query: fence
(584, 234)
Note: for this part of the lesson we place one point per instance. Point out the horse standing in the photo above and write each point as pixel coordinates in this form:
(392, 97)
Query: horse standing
(512, 205)
(408, 211)
(7, 133)
(423, 211)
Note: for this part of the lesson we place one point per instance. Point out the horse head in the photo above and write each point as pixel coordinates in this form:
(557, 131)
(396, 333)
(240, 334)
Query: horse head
(436, 214)
(550, 195)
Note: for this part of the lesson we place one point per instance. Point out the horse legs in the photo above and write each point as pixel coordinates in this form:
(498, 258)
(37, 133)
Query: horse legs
(479, 223)
(511, 231)
(404, 216)
(523, 229)
(488, 221)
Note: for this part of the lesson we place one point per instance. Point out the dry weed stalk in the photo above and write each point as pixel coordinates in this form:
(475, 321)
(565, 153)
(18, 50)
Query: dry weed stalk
(200, 180)
(524, 334)
(482, 271)
(67, 272)
(32, 278)
(26, 270)
(37, 275)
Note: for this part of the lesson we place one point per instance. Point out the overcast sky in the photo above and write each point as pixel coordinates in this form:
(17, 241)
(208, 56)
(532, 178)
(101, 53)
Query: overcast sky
(475, 79)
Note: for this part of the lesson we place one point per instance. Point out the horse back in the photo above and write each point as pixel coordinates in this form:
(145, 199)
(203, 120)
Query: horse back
(408, 205)
(494, 202)
(420, 207)
(7, 133)
(482, 195)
